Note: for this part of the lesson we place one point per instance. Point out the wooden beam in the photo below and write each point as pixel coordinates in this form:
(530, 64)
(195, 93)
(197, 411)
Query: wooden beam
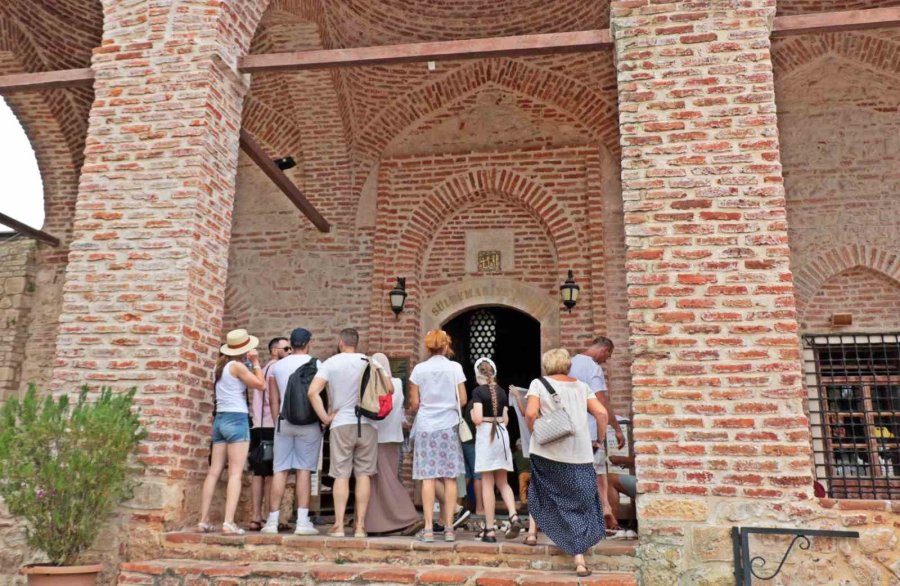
(435, 51)
(259, 156)
(829, 22)
(27, 230)
(46, 80)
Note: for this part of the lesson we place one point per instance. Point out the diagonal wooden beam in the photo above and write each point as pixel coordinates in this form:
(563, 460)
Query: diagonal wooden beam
(255, 151)
(435, 51)
(828, 22)
(46, 80)
(27, 230)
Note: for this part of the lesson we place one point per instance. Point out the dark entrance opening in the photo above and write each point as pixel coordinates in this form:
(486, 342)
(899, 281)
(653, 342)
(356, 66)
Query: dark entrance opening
(510, 338)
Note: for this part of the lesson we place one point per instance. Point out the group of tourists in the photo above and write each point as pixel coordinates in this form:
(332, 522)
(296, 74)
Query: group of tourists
(295, 397)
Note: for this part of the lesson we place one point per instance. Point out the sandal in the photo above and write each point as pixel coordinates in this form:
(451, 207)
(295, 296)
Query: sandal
(336, 532)
(489, 536)
(531, 539)
(449, 535)
(255, 526)
(426, 535)
(610, 521)
(582, 571)
(205, 528)
(231, 529)
(515, 527)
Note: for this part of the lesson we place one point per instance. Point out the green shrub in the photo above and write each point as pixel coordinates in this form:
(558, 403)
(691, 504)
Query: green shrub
(64, 467)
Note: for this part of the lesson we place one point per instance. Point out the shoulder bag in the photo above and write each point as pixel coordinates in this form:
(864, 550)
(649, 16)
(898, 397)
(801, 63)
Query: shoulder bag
(264, 453)
(465, 434)
(555, 425)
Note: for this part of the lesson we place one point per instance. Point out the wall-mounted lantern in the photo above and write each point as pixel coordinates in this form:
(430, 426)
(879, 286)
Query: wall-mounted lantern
(569, 292)
(398, 296)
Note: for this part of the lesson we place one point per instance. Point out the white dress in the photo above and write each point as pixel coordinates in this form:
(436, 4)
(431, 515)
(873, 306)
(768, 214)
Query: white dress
(492, 455)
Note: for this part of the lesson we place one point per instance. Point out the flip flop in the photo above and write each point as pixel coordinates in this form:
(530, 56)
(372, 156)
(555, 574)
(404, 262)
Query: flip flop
(531, 539)
(582, 573)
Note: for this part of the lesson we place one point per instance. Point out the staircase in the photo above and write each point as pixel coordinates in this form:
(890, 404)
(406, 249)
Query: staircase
(279, 560)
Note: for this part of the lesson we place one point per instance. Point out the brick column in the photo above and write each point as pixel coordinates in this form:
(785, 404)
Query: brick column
(144, 290)
(720, 430)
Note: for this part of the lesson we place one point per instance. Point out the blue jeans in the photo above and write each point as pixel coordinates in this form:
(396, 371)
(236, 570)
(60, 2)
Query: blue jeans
(230, 428)
(469, 457)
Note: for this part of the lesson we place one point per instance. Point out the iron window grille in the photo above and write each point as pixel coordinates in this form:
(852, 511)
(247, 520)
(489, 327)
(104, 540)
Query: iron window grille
(482, 335)
(853, 383)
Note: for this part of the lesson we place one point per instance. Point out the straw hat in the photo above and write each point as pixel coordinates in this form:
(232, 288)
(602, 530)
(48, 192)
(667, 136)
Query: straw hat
(238, 342)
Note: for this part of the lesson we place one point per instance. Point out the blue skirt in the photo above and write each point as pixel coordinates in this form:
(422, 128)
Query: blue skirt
(564, 502)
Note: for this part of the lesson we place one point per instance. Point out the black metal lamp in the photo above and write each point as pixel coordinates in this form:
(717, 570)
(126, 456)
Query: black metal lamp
(285, 163)
(398, 296)
(569, 292)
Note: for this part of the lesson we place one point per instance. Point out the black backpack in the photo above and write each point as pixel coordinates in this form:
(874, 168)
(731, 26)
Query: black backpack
(296, 409)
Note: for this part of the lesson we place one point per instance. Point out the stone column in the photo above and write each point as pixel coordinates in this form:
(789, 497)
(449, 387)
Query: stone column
(144, 288)
(720, 430)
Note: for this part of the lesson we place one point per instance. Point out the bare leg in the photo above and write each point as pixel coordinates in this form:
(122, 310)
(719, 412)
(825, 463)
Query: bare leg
(216, 465)
(506, 493)
(302, 489)
(612, 493)
(237, 457)
(479, 497)
(490, 501)
(341, 492)
(428, 491)
(449, 507)
(256, 498)
(279, 481)
(363, 492)
(603, 491)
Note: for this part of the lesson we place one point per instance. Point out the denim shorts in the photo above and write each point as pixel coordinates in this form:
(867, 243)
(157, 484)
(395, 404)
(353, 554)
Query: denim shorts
(230, 428)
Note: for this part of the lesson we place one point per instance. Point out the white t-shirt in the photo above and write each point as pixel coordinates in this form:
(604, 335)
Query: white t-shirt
(574, 397)
(390, 429)
(589, 372)
(281, 371)
(437, 379)
(343, 372)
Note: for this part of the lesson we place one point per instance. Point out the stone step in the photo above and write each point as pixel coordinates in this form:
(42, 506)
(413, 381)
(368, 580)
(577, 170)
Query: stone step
(607, 556)
(179, 572)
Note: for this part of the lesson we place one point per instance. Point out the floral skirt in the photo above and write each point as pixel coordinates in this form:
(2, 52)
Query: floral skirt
(437, 454)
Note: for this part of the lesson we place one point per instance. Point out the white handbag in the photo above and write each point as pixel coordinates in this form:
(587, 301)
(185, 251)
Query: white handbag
(465, 434)
(555, 425)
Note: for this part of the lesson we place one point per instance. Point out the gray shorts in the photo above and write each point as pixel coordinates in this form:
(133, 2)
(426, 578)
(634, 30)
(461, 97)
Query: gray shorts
(297, 447)
(353, 451)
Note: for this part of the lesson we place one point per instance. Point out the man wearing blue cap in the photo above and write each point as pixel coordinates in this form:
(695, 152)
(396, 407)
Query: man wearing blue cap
(297, 447)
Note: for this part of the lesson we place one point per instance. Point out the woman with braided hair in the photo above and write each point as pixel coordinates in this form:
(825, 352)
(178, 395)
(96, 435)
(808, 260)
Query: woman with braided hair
(493, 456)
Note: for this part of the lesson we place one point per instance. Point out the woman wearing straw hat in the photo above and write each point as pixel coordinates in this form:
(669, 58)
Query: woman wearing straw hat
(231, 427)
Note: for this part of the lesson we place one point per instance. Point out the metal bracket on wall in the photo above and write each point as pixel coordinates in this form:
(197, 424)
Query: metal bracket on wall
(744, 571)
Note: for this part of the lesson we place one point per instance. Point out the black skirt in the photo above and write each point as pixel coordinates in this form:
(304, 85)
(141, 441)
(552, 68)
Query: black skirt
(258, 434)
(564, 502)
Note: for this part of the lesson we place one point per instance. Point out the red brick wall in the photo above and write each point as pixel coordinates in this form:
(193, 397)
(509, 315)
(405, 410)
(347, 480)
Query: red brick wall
(418, 194)
(872, 298)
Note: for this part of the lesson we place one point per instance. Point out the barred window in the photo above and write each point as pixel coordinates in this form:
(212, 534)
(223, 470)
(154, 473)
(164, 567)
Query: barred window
(854, 407)
(482, 335)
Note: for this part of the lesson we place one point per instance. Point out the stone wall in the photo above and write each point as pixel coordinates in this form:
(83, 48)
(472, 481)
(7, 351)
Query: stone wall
(16, 293)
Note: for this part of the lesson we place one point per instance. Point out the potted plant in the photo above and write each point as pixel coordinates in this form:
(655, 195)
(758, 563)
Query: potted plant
(63, 469)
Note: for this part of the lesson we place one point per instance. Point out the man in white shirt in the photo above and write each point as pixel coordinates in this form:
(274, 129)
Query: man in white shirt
(587, 367)
(296, 447)
(353, 446)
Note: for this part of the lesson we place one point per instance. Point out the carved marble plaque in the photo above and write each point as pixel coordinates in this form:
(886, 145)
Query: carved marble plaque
(489, 261)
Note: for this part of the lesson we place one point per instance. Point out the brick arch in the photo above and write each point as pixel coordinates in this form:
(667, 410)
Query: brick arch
(473, 185)
(810, 277)
(567, 94)
(798, 53)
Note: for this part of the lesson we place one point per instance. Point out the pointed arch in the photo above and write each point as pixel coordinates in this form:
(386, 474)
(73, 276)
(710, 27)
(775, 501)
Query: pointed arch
(809, 277)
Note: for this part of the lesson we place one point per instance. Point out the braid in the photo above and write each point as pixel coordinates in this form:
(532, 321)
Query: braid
(492, 384)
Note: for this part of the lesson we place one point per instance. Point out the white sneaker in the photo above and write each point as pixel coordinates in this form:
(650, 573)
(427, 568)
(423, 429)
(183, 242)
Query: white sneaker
(269, 529)
(306, 529)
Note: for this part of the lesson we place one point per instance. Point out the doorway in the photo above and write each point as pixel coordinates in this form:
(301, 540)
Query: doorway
(511, 338)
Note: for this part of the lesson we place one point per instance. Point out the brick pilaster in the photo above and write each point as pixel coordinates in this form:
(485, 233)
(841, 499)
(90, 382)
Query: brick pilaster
(717, 379)
(144, 290)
